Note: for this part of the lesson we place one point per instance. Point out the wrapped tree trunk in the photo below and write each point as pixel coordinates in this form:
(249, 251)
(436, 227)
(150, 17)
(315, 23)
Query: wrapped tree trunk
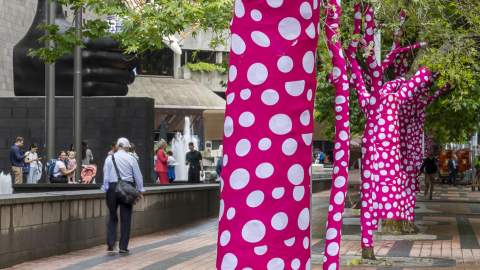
(341, 155)
(264, 220)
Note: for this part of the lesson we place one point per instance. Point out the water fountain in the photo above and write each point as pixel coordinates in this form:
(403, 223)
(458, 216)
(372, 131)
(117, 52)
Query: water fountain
(5, 184)
(180, 148)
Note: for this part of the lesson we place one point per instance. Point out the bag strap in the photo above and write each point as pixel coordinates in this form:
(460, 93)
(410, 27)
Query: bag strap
(118, 172)
(116, 168)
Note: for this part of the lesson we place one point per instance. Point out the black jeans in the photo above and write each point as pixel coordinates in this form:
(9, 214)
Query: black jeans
(452, 179)
(125, 219)
(194, 174)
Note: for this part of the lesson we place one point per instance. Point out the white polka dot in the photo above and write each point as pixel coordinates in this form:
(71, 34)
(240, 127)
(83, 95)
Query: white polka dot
(232, 73)
(280, 124)
(230, 98)
(340, 181)
(246, 119)
(331, 234)
(308, 62)
(253, 231)
(305, 118)
(221, 210)
(289, 28)
(255, 198)
(306, 243)
(238, 45)
(239, 9)
(264, 144)
(304, 219)
(229, 262)
(274, 3)
(256, 15)
(296, 174)
(239, 178)
(231, 213)
(264, 170)
(298, 193)
(310, 31)
(289, 146)
(228, 126)
(332, 266)
(309, 94)
(295, 88)
(260, 39)
(224, 238)
(306, 10)
(270, 97)
(289, 242)
(242, 148)
(285, 64)
(307, 138)
(343, 135)
(257, 74)
(295, 264)
(260, 250)
(276, 264)
(279, 221)
(339, 154)
(339, 197)
(245, 94)
(332, 249)
(278, 192)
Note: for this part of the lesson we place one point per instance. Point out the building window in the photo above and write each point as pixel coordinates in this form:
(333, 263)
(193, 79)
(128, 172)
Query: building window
(158, 62)
(191, 56)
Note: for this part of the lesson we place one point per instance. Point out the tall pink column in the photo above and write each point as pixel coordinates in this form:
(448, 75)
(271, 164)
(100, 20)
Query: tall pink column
(342, 137)
(264, 220)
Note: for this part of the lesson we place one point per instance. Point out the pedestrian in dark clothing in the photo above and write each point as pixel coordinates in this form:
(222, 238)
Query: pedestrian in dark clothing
(193, 160)
(453, 169)
(17, 158)
(430, 167)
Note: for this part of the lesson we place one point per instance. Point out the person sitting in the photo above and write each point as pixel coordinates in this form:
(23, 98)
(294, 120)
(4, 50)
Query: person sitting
(60, 171)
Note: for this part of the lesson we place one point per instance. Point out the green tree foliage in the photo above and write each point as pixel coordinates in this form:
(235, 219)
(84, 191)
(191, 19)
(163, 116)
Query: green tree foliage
(452, 29)
(145, 23)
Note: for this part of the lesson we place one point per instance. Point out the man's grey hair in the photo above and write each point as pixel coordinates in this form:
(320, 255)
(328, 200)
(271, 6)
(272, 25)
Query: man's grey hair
(123, 143)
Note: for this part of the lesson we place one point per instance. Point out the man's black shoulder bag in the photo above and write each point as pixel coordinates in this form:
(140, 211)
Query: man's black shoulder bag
(126, 192)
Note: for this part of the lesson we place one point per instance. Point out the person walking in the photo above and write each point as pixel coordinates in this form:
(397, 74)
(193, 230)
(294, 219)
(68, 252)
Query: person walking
(17, 160)
(71, 163)
(193, 160)
(87, 154)
(161, 163)
(453, 169)
(132, 151)
(124, 166)
(430, 167)
(32, 159)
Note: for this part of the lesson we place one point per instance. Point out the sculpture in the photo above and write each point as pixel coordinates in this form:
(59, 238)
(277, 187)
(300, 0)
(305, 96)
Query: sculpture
(106, 70)
(264, 220)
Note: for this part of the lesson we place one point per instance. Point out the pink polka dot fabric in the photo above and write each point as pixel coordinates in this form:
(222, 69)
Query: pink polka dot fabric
(264, 220)
(342, 138)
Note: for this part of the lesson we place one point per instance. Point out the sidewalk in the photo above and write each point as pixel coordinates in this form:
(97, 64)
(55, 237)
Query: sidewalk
(449, 238)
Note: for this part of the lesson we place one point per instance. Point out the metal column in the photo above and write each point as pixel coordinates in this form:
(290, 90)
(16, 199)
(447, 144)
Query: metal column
(77, 92)
(50, 8)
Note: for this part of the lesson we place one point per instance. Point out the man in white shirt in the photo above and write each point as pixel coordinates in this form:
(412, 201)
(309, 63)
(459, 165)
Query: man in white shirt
(128, 170)
(60, 171)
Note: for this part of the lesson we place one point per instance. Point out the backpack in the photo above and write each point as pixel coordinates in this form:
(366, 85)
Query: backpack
(51, 167)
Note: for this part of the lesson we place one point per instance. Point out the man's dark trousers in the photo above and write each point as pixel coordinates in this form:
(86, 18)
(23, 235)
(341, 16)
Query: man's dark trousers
(193, 175)
(125, 219)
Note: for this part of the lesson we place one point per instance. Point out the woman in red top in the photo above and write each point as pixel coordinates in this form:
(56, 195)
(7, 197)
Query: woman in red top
(161, 167)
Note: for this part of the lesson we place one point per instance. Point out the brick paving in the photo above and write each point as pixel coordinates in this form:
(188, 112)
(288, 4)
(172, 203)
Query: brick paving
(449, 239)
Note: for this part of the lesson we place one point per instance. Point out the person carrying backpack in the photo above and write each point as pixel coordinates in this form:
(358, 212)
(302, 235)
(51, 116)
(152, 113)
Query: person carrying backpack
(59, 172)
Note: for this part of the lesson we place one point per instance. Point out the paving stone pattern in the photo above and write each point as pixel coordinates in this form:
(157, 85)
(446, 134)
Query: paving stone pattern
(193, 247)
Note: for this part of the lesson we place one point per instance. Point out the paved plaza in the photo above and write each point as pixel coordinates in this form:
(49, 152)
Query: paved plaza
(449, 239)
